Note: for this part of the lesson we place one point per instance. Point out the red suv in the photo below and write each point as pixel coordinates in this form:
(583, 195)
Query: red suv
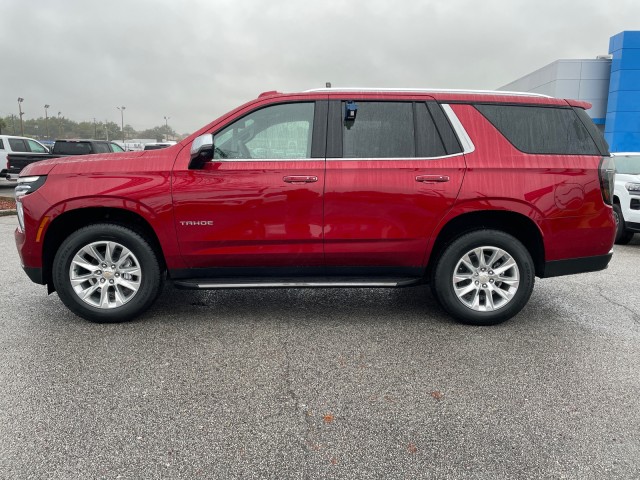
(476, 193)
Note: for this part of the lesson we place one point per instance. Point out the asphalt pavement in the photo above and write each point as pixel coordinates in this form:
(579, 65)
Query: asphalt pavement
(322, 384)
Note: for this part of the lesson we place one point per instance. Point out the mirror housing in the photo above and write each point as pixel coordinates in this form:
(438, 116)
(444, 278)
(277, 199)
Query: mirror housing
(201, 151)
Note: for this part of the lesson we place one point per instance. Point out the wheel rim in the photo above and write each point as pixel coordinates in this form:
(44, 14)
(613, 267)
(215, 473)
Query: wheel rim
(105, 274)
(486, 279)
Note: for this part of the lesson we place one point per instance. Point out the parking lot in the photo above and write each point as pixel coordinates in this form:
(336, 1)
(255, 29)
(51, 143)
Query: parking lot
(323, 384)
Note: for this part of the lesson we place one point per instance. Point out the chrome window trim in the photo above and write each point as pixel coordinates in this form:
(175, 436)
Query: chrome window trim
(463, 136)
(393, 159)
(226, 160)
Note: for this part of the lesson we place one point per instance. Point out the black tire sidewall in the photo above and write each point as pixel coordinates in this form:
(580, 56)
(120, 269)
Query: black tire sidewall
(622, 235)
(149, 284)
(443, 273)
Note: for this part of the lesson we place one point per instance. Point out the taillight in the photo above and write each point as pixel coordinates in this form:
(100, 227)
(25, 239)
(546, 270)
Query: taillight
(607, 175)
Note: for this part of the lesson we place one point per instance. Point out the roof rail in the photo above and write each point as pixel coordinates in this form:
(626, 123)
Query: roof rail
(430, 90)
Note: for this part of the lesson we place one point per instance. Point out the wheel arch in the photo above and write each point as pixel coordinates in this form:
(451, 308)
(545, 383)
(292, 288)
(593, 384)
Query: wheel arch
(70, 221)
(516, 224)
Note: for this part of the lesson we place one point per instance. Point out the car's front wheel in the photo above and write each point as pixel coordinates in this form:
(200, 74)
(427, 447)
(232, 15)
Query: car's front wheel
(484, 277)
(106, 273)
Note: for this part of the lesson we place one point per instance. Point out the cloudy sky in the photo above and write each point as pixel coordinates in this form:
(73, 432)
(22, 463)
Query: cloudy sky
(193, 60)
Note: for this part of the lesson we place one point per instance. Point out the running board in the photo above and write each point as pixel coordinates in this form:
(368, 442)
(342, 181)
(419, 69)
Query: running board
(300, 282)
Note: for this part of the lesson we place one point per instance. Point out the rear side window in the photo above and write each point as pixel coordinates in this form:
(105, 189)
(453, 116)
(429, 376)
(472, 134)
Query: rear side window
(541, 130)
(72, 148)
(116, 148)
(101, 148)
(1, 144)
(17, 145)
(380, 130)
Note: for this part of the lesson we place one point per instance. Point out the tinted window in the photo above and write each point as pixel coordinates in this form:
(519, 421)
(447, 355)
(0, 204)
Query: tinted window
(428, 141)
(629, 165)
(101, 148)
(17, 145)
(116, 148)
(1, 144)
(449, 138)
(541, 130)
(71, 148)
(36, 147)
(380, 130)
(278, 131)
(594, 130)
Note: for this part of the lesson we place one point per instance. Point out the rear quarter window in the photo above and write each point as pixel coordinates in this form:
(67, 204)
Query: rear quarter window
(18, 145)
(541, 130)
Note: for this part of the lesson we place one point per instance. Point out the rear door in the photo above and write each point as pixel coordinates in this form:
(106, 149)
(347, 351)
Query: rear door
(258, 203)
(396, 170)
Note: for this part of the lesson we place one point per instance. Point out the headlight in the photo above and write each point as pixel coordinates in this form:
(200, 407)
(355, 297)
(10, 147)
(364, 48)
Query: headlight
(26, 185)
(633, 188)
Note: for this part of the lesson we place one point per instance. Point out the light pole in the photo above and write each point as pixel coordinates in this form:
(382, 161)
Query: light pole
(46, 119)
(20, 100)
(122, 109)
(95, 129)
(59, 124)
(166, 127)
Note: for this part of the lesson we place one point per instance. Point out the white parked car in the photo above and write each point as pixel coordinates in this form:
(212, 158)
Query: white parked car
(12, 144)
(626, 196)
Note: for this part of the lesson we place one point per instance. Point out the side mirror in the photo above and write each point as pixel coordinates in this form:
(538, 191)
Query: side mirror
(201, 151)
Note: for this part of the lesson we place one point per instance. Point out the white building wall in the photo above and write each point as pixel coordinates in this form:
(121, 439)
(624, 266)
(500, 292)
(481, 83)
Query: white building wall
(586, 80)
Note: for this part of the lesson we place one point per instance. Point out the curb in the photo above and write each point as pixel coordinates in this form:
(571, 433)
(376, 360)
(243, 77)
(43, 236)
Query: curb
(6, 213)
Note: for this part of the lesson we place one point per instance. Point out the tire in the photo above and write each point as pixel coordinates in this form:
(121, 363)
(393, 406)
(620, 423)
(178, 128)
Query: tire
(493, 295)
(100, 290)
(623, 236)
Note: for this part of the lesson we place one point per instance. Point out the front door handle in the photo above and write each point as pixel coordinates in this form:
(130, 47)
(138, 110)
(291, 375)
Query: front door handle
(300, 179)
(432, 178)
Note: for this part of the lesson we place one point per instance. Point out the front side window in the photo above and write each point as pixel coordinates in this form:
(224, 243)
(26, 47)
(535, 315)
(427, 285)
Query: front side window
(275, 132)
(17, 145)
(36, 147)
(380, 130)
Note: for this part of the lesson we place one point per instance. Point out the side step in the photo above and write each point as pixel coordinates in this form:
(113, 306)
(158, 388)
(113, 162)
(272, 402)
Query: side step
(296, 282)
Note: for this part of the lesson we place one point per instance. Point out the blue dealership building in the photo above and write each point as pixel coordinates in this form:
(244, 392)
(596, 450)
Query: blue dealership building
(611, 83)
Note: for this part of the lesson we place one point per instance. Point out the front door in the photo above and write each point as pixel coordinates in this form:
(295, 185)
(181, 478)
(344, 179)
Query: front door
(258, 203)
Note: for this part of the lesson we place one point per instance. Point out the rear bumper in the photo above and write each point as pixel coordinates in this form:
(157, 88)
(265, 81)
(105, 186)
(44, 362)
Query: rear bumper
(571, 266)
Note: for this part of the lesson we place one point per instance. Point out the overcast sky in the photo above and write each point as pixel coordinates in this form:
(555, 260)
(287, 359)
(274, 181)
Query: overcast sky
(193, 60)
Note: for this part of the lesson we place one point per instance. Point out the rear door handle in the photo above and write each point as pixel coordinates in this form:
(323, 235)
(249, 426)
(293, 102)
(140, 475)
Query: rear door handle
(300, 179)
(432, 178)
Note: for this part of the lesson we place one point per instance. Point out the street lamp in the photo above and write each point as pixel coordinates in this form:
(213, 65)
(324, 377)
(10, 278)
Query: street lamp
(122, 109)
(166, 127)
(46, 119)
(59, 124)
(20, 100)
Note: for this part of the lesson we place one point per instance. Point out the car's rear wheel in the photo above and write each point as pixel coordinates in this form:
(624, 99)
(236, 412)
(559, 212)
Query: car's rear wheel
(484, 277)
(623, 236)
(106, 273)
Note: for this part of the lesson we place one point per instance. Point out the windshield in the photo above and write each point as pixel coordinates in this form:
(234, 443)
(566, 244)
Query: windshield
(629, 164)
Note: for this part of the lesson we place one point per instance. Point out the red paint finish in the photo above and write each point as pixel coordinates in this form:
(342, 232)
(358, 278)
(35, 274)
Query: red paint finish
(377, 214)
(257, 218)
(333, 212)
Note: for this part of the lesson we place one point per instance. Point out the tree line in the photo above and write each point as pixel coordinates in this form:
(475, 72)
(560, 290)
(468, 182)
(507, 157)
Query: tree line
(61, 127)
